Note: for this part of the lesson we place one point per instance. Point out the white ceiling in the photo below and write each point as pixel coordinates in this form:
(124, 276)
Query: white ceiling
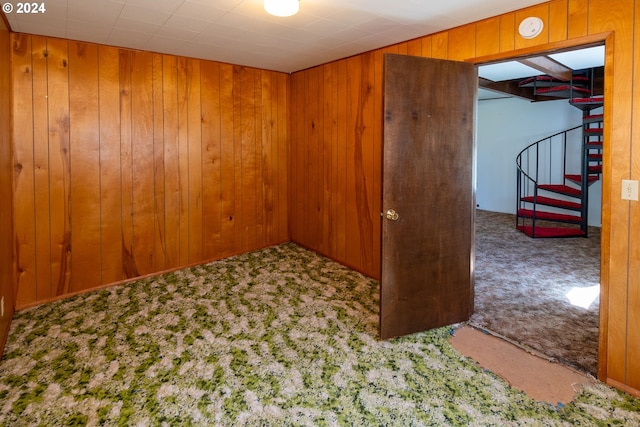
(241, 32)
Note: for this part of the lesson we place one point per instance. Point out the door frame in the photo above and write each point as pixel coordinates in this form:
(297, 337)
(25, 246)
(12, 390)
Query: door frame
(605, 39)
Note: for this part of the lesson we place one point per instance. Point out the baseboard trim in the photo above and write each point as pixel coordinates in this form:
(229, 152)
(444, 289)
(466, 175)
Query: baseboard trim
(624, 387)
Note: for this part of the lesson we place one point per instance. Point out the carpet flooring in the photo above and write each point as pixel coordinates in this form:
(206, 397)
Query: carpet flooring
(528, 290)
(276, 337)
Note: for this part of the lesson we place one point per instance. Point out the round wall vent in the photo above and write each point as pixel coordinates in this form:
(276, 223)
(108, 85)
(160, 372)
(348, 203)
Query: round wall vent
(530, 27)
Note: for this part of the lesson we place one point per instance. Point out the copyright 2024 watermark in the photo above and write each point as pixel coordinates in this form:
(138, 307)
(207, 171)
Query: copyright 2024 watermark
(24, 8)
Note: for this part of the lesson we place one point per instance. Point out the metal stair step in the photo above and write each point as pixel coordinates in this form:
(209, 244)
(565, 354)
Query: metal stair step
(546, 80)
(561, 189)
(549, 201)
(593, 118)
(594, 131)
(562, 90)
(547, 232)
(549, 216)
(595, 169)
(588, 103)
(578, 178)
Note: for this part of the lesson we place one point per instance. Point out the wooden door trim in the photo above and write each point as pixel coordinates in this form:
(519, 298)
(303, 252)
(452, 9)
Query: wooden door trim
(587, 41)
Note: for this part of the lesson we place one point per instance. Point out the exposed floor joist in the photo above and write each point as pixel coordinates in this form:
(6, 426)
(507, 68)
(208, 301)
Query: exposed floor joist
(512, 87)
(549, 66)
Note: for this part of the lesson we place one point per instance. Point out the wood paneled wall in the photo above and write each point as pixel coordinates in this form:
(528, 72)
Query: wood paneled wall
(129, 163)
(6, 193)
(336, 134)
(335, 160)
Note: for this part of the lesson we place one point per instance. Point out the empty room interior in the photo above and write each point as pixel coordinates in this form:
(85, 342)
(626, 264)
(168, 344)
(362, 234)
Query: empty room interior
(227, 213)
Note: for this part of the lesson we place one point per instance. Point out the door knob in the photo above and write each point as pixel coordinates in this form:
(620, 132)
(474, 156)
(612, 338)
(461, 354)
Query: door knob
(392, 215)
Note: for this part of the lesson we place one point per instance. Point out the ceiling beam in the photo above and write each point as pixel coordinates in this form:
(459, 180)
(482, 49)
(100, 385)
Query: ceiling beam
(549, 66)
(512, 87)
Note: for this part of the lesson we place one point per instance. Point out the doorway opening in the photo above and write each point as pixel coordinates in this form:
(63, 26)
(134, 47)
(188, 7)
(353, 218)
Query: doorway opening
(541, 293)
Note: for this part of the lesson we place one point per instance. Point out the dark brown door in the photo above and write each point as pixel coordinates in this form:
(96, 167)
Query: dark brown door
(428, 194)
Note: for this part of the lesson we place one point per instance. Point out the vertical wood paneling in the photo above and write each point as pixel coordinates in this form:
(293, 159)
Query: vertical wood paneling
(247, 165)
(171, 161)
(294, 194)
(159, 245)
(41, 168)
(343, 163)
(329, 132)
(240, 236)
(297, 191)
(353, 170)
(211, 164)
(195, 160)
(183, 163)
(59, 165)
(633, 304)
(507, 32)
(426, 47)
(313, 161)
(299, 178)
(414, 47)
(128, 163)
(440, 45)
(488, 37)
(603, 17)
(308, 158)
(558, 21)
(462, 43)
(334, 172)
(229, 157)
(364, 166)
(142, 154)
(110, 165)
(577, 18)
(268, 150)
(282, 165)
(24, 207)
(298, 163)
(84, 143)
(6, 190)
(259, 164)
(403, 48)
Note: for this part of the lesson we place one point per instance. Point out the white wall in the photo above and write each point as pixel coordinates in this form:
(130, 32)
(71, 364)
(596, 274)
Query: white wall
(505, 127)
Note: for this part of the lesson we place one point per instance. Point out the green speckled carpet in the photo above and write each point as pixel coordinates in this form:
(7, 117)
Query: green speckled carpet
(276, 337)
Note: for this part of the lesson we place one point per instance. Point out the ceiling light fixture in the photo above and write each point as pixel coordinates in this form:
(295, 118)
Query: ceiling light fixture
(282, 7)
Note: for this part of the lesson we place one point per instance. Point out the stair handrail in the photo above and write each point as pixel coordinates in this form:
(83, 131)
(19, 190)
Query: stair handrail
(533, 180)
(519, 156)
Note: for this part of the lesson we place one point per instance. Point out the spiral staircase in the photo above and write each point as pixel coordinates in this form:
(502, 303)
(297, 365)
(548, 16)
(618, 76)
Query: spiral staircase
(554, 174)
